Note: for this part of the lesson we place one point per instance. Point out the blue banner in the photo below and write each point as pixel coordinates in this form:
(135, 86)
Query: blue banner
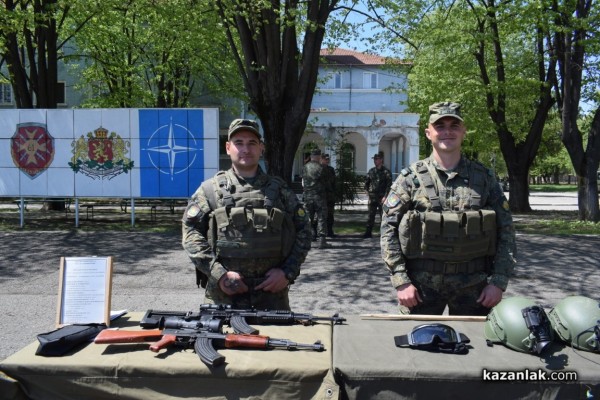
(171, 152)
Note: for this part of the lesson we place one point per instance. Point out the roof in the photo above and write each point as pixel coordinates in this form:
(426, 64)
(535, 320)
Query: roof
(350, 57)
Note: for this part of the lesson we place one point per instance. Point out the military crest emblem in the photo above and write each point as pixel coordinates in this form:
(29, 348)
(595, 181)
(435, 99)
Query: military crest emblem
(102, 155)
(32, 148)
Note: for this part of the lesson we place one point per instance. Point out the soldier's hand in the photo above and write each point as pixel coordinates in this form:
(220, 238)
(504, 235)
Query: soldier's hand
(490, 296)
(231, 283)
(275, 281)
(408, 295)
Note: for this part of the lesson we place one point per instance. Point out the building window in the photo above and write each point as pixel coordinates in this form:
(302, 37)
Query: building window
(347, 157)
(61, 92)
(334, 80)
(6, 96)
(369, 80)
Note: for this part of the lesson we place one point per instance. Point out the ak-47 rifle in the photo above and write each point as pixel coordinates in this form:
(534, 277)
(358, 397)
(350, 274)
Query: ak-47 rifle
(192, 333)
(239, 320)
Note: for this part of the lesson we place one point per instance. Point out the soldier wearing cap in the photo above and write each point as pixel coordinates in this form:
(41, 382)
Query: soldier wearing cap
(447, 236)
(377, 185)
(329, 192)
(244, 230)
(314, 184)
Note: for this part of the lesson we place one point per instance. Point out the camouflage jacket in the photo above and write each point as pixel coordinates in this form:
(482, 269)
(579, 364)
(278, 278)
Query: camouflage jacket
(314, 179)
(195, 228)
(329, 173)
(378, 182)
(453, 190)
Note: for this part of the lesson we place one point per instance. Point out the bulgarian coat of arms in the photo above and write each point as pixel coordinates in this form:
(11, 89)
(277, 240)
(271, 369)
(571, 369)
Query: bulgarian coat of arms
(32, 148)
(101, 155)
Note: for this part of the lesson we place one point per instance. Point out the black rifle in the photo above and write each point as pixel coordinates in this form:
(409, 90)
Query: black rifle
(188, 334)
(239, 320)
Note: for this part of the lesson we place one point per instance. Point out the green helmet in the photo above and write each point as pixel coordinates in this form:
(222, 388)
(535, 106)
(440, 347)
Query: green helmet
(519, 324)
(576, 319)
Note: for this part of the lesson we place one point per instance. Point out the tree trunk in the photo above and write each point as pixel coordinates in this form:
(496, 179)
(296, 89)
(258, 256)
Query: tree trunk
(587, 197)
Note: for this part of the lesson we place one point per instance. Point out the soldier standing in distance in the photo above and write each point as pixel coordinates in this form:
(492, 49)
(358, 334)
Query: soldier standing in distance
(244, 230)
(330, 192)
(377, 185)
(313, 182)
(447, 236)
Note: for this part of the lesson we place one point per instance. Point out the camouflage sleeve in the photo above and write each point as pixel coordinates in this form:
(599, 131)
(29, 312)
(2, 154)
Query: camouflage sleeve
(504, 261)
(396, 204)
(194, 236)
(291, 265)
(388, 182)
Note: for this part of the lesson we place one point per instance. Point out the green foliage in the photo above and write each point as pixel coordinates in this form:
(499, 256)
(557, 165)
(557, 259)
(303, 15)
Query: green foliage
(154, 54)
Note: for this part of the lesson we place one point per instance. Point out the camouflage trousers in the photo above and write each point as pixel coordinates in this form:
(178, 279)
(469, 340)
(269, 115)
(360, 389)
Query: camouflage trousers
(330, 209)
(457, 291)
(374, 207)
(317, 212)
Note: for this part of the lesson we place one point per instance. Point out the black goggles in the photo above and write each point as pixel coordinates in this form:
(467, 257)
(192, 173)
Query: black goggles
(434, 337)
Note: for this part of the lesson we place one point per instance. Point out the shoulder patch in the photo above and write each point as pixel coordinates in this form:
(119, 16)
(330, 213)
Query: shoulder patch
(392, 200)
(192, 211)
(505, 205)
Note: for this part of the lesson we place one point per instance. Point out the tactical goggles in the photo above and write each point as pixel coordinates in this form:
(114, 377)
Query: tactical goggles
(434, 337)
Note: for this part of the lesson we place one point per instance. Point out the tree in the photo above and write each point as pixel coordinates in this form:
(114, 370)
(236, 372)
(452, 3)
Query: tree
(155, 54)
(279, 78)
(491, 57)
(574, 37)
(31, 44)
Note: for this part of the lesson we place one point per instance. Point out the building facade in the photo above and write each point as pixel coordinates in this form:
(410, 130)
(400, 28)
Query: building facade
(354, 108)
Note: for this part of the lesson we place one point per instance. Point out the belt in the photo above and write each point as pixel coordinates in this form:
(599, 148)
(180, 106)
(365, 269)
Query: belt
(448, 267)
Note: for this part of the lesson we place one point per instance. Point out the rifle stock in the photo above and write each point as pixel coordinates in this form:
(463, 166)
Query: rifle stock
(110, 336)
(203, 341)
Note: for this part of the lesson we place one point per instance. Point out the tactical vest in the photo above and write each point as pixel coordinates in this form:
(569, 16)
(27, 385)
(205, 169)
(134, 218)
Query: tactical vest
(245, 223)
(448, 235)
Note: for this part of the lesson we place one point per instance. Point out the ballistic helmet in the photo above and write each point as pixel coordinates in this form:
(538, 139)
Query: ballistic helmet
(576, 320)
(519, 324)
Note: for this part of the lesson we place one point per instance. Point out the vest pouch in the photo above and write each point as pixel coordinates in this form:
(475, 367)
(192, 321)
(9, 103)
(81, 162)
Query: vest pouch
(489, 229)
(276, 220)
(410, 234)
(471, 221)
(261, 219)
(221, 220)
(238, 217)
(450, 225)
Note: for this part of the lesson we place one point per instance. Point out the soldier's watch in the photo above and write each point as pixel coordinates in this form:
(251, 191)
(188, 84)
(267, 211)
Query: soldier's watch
(289, 275)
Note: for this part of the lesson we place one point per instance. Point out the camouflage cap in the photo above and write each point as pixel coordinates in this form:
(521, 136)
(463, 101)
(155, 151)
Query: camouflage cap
(326, 156)
(444, 109)
(378, 155)
(315, 152)
(243, 125)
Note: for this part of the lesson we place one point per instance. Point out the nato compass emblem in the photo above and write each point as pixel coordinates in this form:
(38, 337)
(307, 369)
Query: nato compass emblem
(175, 149)
(32, 148)
(101, 155)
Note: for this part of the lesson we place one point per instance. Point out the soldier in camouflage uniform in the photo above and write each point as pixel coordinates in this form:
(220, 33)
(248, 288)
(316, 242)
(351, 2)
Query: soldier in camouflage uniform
(330, 192)
(244, 230)
(314, 183)
(377, 185)
(447, 236)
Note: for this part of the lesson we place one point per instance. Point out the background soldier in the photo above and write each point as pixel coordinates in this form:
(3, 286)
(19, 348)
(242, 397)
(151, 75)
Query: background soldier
(377, 185)
(245, 231)
(314, 182)
(447, 235)
(330, 192)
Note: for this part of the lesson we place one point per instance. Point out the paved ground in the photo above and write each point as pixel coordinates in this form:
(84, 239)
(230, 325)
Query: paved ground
(152, 271)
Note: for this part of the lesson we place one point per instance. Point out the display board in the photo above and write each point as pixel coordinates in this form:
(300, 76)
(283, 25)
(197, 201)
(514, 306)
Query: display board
(131, 153)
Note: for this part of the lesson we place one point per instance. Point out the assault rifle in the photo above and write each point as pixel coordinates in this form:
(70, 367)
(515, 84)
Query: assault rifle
(218, 314)
(185, 333)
